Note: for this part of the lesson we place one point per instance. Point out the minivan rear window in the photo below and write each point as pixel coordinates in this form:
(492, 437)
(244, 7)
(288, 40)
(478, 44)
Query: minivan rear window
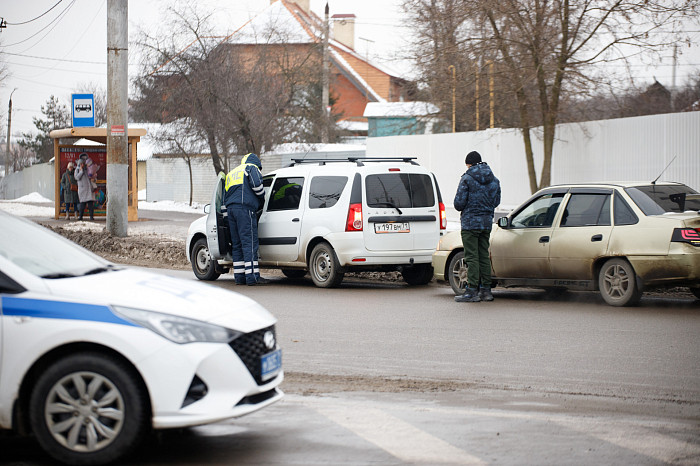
(325, 191)
(402, 190)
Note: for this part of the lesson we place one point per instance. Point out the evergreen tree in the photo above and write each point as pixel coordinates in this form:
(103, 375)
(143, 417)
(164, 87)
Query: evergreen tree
(56, 116)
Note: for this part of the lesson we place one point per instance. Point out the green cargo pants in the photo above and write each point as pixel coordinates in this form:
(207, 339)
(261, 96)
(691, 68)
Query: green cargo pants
(476, 256)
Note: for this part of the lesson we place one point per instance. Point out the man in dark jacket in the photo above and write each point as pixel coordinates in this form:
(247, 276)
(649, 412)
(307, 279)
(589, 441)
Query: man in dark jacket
(478, 195)
(244, 193)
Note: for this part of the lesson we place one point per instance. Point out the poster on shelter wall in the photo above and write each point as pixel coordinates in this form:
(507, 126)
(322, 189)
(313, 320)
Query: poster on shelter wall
(98, 169)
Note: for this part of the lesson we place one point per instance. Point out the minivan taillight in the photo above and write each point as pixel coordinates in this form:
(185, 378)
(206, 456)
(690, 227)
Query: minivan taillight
(443, 217)
(354, 222)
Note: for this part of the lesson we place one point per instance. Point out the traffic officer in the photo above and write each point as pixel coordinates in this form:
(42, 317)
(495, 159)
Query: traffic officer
(244, 194)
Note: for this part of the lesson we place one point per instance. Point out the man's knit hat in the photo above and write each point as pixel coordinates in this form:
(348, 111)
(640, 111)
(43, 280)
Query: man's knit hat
(473, 158)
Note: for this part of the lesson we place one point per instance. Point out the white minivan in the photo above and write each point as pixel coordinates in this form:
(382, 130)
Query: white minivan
(332, 216)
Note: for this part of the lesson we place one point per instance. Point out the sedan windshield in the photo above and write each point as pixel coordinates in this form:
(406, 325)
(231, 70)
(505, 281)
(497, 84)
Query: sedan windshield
(43, 253)
(660, 199)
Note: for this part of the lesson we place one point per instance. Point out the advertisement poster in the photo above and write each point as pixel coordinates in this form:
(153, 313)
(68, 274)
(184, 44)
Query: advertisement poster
(98, 155)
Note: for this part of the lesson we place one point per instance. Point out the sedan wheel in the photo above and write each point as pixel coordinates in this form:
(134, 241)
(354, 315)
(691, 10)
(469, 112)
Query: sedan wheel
(457, 273)
(87, 409)
(203, 266)
(618, 283)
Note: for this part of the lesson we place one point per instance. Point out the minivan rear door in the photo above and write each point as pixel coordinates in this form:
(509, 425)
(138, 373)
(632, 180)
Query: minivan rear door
(280, 222)
(402, 212)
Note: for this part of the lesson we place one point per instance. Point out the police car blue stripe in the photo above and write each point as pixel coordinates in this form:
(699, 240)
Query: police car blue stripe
(42, 309)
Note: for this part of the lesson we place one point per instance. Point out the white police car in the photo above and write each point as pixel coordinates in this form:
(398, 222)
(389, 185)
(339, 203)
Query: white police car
(93, 355)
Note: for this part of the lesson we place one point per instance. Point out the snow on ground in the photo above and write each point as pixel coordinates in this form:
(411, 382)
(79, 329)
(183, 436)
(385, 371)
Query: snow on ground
(36, 205)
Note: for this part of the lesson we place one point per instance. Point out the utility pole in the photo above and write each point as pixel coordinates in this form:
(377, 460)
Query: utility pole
(326, 81)
(9, 120)
(117, 124)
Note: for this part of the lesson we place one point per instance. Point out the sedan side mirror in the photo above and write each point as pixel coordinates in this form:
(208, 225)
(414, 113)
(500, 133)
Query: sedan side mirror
(504, 222)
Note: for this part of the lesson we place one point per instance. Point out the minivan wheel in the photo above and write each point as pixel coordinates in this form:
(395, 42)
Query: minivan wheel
(202, 264)
(457, 273)
(293, 273)
(88, 408)
(324, 267)
(618, 283)
(419, 274)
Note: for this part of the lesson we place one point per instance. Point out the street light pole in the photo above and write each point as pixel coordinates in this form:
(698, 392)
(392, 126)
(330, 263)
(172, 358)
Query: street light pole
(454, 84)
(9, 121)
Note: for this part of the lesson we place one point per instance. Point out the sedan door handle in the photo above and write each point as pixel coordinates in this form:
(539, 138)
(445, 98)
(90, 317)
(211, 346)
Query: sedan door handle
(295, 220)
(544, 239)
(595, 238)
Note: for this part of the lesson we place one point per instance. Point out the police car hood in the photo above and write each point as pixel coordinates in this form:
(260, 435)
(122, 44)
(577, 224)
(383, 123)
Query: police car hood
(149, 291)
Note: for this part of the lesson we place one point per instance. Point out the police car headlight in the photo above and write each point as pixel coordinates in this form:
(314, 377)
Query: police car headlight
(178, 329)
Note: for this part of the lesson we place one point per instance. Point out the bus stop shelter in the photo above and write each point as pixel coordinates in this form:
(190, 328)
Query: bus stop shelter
(92, 143)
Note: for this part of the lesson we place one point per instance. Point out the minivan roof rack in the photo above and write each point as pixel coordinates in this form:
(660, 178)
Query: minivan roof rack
(358, 160)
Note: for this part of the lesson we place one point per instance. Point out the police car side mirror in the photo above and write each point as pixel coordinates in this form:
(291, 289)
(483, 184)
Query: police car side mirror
(504, 222)
(207, 208)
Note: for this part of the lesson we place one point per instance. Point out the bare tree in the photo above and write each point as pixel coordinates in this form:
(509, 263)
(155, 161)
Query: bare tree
(240, 97)
(547, 51)
(180, 138)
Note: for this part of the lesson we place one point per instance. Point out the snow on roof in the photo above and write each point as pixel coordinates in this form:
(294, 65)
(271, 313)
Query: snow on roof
(353, 125)
(399, 109)
(275, 25)
(285, 23)
(338, 58)
(87, 142)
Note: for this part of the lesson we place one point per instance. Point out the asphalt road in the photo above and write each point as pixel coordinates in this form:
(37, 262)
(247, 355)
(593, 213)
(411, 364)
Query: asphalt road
(575, 344)
(383, 373)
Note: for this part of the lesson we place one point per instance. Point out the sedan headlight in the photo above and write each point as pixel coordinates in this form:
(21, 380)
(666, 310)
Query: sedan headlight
(177, 329)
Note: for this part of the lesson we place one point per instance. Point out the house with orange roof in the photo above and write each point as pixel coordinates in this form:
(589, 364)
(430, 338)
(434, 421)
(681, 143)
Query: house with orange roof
(354, 80)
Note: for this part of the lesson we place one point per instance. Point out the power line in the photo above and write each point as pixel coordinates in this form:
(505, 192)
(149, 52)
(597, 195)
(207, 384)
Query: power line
(25, 22)
(55, 59)
(55, 20)
(56, 69)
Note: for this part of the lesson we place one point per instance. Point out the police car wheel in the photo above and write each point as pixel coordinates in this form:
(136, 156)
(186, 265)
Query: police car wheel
(88, 408)
(203, 266)
(324, 267)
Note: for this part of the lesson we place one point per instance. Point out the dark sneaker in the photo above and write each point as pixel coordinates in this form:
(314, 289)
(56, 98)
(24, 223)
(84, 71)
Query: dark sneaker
(485, 294)
(469, 296)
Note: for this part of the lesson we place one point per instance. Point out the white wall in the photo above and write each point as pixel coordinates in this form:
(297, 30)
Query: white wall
(37, 178)
(629, 149)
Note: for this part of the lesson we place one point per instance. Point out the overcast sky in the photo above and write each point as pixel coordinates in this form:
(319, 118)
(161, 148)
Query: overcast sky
(67, 46)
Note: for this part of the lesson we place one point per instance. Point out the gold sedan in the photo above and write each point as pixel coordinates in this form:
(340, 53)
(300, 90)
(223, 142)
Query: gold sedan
(615, 238)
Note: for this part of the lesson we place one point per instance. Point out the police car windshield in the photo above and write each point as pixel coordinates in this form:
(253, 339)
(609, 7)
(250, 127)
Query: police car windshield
(41, 252)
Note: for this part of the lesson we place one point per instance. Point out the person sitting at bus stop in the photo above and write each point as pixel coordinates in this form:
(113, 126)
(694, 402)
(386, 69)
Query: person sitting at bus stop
(244, 194)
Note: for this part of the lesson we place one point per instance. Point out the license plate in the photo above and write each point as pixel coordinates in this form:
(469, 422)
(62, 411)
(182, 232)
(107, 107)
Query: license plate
(270, 365)
(392, 227)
